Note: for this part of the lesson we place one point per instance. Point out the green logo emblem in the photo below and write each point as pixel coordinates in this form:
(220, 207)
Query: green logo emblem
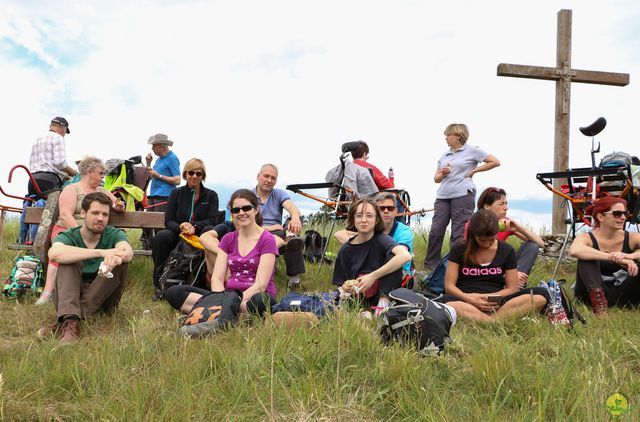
(617, 404)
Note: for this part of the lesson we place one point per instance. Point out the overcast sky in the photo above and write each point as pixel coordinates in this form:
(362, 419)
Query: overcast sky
(243, 83)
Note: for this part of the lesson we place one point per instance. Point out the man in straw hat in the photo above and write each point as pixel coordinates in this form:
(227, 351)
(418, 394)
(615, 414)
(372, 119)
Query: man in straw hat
(165, 175)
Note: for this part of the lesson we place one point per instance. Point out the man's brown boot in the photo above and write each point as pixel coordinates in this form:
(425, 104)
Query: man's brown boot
(69, 331)
(49, 330)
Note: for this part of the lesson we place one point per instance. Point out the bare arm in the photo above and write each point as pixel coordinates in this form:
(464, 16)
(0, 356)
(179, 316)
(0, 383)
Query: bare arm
(295, 224)
(126, 251)
(582, 248)
(219, 272)
(510, 283)
(67, 206)
(441, 173)
(65, 254)
(489, 163)
(523, 233)
(265, 269)
(173, 180)
(400, 257)
(343, 236)
(210, 241)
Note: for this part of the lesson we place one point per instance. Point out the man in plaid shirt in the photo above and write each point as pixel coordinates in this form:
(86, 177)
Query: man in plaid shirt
(48, 160)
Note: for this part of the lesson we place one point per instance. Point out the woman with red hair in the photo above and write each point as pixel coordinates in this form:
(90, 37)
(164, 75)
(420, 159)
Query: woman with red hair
(607, 269)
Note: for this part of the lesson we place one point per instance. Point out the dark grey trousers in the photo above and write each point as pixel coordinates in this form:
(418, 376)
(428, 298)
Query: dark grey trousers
(458, 211)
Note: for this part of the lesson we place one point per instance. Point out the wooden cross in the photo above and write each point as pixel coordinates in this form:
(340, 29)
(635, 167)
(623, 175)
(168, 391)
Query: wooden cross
(563, 74)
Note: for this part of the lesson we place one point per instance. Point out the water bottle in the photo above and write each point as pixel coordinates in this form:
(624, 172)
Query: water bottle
(391, 176)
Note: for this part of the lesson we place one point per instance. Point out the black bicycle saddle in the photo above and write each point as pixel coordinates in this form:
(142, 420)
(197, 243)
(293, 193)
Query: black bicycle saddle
(350, 146)
(594, 128)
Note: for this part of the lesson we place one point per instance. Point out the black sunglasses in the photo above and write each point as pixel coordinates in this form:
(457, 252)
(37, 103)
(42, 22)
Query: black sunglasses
(245, 208)
(195, 173)
(387, 208)
(617, 213)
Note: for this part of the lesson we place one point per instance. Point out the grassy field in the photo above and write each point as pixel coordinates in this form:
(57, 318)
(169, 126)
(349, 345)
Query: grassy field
(132, 366)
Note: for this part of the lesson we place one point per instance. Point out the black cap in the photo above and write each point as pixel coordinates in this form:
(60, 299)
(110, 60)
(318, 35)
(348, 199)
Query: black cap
(62, 122)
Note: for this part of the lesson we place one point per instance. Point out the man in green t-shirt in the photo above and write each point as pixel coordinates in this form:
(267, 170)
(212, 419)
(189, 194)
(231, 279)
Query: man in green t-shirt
(93, 262)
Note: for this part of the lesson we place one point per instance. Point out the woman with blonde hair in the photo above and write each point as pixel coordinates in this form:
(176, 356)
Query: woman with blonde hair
(192, 209)
(456, 195)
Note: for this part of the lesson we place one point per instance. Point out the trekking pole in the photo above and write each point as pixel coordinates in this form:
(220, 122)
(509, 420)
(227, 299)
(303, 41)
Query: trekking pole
(564, 245)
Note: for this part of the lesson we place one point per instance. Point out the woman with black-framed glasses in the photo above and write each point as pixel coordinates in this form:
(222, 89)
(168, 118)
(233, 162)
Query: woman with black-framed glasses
(245, 261)
(192, 209)
(607, 270)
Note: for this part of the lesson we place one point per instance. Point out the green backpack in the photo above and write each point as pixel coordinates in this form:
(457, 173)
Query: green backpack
(25, 276)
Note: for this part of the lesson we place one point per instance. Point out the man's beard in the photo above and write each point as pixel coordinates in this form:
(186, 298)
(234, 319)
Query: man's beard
(96, 230)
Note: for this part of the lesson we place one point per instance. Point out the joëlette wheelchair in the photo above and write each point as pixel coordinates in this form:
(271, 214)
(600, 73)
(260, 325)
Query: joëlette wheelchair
(585, 185)
(348, 182)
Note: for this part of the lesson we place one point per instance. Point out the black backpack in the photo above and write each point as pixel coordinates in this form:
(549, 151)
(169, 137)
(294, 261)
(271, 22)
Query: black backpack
(416, 321)
(314, 244)
(214, 312)
(185, 265)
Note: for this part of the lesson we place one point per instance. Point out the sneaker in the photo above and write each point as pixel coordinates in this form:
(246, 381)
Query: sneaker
(49, 330)
(294, 281)
(201, 329)
(45, 297)
(69, 331)
(158, 295)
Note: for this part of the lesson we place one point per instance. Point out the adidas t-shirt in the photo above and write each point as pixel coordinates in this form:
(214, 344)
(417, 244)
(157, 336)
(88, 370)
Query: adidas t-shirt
(484, 278)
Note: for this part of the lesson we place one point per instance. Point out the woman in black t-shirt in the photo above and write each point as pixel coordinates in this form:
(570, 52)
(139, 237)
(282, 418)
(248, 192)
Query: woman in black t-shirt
(482, 275)
(371, 258)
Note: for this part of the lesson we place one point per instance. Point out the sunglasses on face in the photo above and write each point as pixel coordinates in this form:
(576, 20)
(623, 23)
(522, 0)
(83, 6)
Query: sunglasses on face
(245, 208)
(195, 173)
(617, 213)
(389, 208)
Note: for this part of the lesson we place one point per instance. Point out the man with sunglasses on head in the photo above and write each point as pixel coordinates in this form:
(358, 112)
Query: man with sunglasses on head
(399, 232)
(48, 159)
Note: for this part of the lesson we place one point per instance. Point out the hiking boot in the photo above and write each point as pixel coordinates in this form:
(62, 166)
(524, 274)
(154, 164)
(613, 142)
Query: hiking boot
(598, 301)
(69, 331)
(49, 330)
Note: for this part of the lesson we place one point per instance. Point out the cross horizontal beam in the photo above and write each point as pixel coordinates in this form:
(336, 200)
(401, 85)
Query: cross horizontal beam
(551, 74)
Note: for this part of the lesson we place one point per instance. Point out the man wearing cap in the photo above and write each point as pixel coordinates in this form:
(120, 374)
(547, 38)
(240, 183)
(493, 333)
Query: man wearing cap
(48, 159)
(165, 175)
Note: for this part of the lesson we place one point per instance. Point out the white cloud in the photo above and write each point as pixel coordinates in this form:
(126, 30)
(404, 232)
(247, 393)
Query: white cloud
(243, 83)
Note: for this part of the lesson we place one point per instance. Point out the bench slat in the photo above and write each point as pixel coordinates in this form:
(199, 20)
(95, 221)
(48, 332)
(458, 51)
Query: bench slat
(126, 220)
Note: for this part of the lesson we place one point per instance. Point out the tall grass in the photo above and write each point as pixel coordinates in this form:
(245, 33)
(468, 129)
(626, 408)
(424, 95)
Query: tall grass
(132, 366)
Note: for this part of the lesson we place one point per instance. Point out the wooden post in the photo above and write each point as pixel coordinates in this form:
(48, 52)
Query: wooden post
(563, 74)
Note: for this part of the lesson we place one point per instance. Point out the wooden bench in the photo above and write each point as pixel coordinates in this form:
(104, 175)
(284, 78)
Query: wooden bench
(46, 217)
